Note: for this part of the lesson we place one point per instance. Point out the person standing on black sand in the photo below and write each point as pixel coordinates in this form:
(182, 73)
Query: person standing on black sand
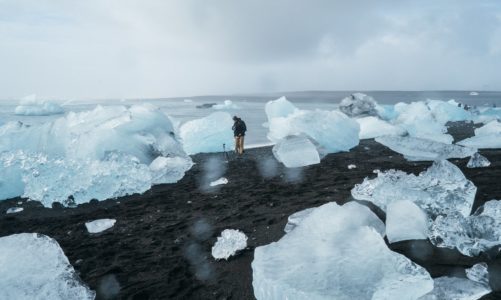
(239, 130)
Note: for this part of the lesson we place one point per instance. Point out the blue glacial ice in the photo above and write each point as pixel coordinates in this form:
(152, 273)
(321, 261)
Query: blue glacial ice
(455, 288)
(372, 127)
(31, 106)
(358, 104)
(487, 136)
(478, 161)
(33, 266)
(405, 221)
(336, 252)
(99, 225)
(296, 151)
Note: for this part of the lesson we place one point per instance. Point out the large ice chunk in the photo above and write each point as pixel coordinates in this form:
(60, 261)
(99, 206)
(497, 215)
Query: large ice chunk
(336, 252)
(296, 218)
(207, 134)
(99, 225)
(296, 151)
(487, 136)
(169, 169)
(417, 149)
(493, 127)
(472, 234)
(358, 104)
(441, 189)
(478, 161)
(229, 243)
(449, 111)
(31, 106)
(454, 288)
(371, 127)
(333, 131)
(405, 221)
(33, 266)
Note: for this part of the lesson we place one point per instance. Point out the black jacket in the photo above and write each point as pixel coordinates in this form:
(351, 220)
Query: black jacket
(239, 128)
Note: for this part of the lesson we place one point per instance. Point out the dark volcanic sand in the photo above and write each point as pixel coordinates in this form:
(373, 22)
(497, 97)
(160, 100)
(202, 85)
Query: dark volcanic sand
(160, 245)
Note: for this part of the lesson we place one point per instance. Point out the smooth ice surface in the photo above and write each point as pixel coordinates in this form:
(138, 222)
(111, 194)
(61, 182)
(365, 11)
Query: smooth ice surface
(333, 131)
(14, 210)
(296, 218)
(208, 134)
(454, 288)
(30, 106)
(336, 252)
(478, 161)
(99, 225)
(418, 149)
(487, 136)
(229, 243)
(405, 221)
(296, 151)
(441, 189)
(419, 121)
(449, 111)
(493, 127)
(33, 266)
(169, 169)
(479, 273)
(471, 234)
(227, 104)
(101, 153)
(358, 104)
(220, 181)
(372, 127)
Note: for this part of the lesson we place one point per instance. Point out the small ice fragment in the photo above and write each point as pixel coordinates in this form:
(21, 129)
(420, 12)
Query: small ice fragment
(478, 161)
(229, 243)
(351, 167)
(296, 151)
(478, 273)
(358, 104)
(14, 210)
(454, 288)
(405, 221)
(220, 181)
(473, 93)
(99, 225)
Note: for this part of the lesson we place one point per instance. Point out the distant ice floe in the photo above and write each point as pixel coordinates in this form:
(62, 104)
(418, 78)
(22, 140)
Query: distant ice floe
(207, 134)
(331, 131)
(478, 161)
(419, 149)
(229, 243)
(473, 93)
(220, 181)
(14, 210)
(405, 221)
(358, 104)
(487, 136)
(33, 266)
(296, 151)
(469, 234)
(227, 104)
(31, 106)
(442, 189)
(336, 252)
(454, 288)
(98, 154)
(100, 225)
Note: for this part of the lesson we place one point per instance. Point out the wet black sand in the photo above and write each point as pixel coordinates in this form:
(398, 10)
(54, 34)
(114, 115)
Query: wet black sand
(160, 245)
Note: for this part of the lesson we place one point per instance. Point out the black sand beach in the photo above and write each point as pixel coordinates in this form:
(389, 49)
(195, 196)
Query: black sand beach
(160, 245)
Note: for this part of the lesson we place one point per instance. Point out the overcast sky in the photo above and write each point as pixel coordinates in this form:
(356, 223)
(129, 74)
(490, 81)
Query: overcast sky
(149, 48)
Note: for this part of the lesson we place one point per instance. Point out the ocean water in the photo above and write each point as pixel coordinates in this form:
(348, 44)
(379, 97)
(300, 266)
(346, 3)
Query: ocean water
(251, 106)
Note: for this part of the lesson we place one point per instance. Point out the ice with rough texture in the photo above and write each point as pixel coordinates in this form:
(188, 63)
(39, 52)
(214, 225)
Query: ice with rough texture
(479, 273)
(14, 210)
(358, 104)
(454, 288)
(469, 234)
(169, 169)
(33, 266)
(418, 149)
(229, 243)
(220, 181)
(420, 122)
(405, 221)
(336, 252)
(333, 131)
(100, 225)
(227, 104)
(442, 189)
(449, 111)
(207, 134)
(296, 151)
(478, 161)
(487, 136)
(31, 106)
(372, 127)
(98, 154)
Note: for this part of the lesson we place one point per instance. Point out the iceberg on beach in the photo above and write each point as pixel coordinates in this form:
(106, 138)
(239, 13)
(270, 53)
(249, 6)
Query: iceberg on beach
(405, 221)
(332, 131)
(169, 169)
(469, 234)
(30, 106)
(100, 225)
(336, 252)
(14, 210)
(358, 104)
(442, 189)
(33, 266)
(448, 111)
(97, 154)
(478, 161)
(418, 149)
(372, 127)
(487, 136)
(454, 288)
(296, 151)
(207, 134)
(479, 273)
(229, 243)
